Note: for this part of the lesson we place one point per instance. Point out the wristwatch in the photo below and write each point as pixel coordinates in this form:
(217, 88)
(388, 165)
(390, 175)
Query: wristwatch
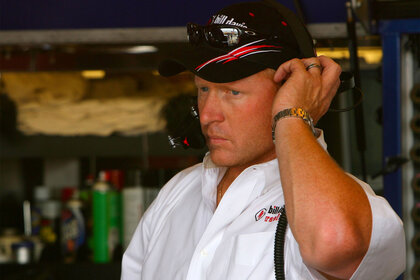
(294, 112)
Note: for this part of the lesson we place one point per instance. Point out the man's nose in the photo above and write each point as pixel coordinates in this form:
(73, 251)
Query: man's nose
(210, 109)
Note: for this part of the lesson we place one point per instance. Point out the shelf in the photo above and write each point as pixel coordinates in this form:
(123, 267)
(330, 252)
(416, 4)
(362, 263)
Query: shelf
(55, 271)
(155, 144)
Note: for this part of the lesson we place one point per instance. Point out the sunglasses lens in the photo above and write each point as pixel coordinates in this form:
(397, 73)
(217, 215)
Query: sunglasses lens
(217, 36)
(231, 36)
(222, 36)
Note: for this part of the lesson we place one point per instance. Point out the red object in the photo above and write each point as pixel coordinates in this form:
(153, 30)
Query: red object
(107, 175)
(116, 178)
(67, 193)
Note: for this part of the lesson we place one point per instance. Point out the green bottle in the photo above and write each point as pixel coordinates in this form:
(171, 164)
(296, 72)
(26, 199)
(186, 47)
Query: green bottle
(114, 224)
(100, 196)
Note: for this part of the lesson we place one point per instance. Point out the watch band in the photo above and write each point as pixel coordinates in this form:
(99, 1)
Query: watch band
(293, 112)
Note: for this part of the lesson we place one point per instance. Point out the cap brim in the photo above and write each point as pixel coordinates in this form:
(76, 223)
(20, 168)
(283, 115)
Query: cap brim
(218, 66)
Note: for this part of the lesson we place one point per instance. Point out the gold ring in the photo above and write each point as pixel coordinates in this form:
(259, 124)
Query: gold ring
(312, 65)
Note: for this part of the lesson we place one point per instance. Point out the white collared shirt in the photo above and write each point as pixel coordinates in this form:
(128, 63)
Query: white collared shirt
(184, 236)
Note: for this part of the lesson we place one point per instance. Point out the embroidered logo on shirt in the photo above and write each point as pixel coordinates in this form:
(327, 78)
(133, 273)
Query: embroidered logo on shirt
(273, 214)
(260, 214)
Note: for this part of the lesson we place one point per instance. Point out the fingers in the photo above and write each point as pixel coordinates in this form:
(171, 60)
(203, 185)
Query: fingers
(287, 68)
(331, 73)
(311, 83)
(330, 79)
(314, 65)
(310, 65)
(321, 68)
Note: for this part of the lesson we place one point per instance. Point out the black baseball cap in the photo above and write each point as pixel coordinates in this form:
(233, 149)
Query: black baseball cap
(226, 64)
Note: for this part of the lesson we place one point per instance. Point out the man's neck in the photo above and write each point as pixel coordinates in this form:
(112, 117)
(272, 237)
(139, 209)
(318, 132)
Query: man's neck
(230, 175)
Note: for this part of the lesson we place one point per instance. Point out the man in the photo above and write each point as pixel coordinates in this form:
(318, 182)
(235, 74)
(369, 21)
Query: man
(217, 220)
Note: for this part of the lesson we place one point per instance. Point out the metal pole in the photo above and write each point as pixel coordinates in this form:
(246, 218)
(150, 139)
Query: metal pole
(354, 65)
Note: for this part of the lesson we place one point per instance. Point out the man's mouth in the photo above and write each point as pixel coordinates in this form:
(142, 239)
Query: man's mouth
(215, 139)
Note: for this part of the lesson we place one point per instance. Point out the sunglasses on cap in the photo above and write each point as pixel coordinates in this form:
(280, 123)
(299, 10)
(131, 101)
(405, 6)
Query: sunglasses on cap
(221, 35)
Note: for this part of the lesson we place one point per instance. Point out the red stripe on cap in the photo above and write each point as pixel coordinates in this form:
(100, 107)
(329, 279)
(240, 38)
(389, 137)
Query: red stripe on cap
(284, 23)
(251, 14)
(230, 59)
(237, 53)
(244, 50)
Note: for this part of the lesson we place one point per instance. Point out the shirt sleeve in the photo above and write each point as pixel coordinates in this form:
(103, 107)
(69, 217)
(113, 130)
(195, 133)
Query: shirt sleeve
(385, 258)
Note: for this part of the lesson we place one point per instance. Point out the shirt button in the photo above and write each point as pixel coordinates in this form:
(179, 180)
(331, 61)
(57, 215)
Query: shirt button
(204, 253)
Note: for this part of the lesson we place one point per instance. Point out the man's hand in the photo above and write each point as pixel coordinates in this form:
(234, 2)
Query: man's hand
(312, 89)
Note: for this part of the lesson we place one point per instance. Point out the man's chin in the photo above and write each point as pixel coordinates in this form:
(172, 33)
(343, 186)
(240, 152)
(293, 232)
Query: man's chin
(229, 158)
(221, 159)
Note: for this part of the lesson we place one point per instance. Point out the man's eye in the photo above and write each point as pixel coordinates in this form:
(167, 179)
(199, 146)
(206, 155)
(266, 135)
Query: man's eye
(235, 92)
(204, 89)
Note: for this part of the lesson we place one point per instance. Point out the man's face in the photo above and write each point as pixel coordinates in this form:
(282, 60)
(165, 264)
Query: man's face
(235, 118)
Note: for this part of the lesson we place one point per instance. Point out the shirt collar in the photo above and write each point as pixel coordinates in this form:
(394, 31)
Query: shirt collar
(266, 173)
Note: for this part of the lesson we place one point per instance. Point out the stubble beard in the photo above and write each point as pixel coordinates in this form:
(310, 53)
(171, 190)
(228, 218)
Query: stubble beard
(230, 159)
